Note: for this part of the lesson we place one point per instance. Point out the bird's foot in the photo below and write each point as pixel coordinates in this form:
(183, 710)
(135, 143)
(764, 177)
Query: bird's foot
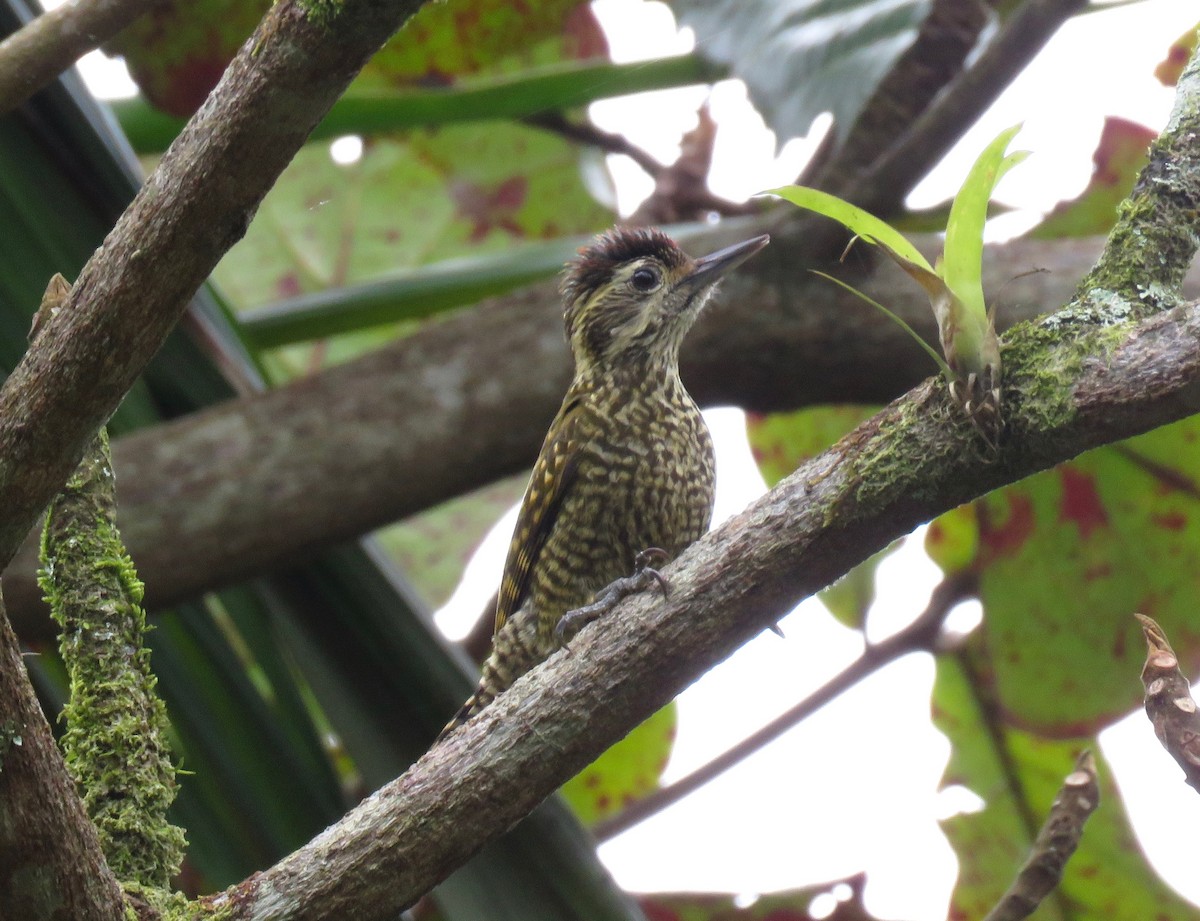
(644, 576)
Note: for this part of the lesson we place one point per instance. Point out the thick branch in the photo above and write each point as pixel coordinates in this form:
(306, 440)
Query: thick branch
(51, 868)
(914, 460)
(1069, 387)
(191, 210)
(36, 54)
(254, 483)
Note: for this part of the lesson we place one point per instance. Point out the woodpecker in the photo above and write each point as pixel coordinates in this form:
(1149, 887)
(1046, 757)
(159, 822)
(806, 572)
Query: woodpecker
(626, 473)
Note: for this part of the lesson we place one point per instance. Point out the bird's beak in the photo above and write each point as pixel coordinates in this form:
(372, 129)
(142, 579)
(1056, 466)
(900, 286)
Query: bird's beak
(708, 269)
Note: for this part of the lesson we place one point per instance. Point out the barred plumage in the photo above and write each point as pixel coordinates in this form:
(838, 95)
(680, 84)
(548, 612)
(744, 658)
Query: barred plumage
(627, 464)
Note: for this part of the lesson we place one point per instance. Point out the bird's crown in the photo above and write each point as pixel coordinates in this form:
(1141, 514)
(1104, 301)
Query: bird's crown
(597, 263)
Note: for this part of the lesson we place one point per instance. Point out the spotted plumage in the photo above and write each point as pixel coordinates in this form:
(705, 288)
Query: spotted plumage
(627, 464)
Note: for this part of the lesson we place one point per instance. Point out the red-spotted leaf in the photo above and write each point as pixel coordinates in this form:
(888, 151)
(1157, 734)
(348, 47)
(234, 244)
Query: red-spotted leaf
(1064, 559)
(448, 41)
(780, 442)
(178, 51)
(433, 195)
(626, 772)
(1118, 158)
(1017, 774)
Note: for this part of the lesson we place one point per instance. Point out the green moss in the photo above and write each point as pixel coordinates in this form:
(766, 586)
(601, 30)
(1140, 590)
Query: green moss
(321, 11)
(115, 743)
(1155, 237)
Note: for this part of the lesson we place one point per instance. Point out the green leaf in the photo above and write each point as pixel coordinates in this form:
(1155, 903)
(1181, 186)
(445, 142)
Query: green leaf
(1018, 773)
(859, 222)
(1065, 557)
(446, 41)
(626, 772)
(799, 58)
(461, 191)
(178, 50)
(1119, 157)
(962, 265)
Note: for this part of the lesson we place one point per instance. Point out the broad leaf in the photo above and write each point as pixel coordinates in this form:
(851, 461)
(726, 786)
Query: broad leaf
(429, 196)
(1064, 559)
(178, 51)
(1118, 158)
(1017, 774)
(626, 772)
(800, 58)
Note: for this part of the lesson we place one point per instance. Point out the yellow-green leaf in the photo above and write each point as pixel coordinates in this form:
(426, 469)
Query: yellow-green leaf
(855, 219)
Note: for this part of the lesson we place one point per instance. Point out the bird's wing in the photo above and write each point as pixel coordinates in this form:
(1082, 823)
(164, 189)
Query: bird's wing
(552, 479)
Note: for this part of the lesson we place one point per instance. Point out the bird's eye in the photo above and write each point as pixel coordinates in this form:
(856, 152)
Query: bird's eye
(644, 279)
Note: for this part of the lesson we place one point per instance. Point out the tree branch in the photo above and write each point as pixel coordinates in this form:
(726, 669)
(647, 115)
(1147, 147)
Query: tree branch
(255, 483)
(37, 53)
(193, 207)
(920, 635)
(51, 866)
(1059, 837)
(1075, 381)
(116, 739)
(913, 461)
(1169, 702)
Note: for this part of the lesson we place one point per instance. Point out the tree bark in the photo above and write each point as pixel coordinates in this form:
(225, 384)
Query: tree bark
(1118, 361)
(194, 206)
(914, 460)
(41, 50)
(261, 482)
(51, 867)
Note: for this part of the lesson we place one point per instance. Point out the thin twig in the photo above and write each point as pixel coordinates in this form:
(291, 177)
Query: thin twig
(1056, 842)
(1169, 703)
(920, 635)
(928, 139)
(607, 141)
(37, 53)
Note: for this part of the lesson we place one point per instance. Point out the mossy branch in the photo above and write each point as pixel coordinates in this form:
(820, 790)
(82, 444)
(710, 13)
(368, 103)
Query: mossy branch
(1074, 385)
(116, 740)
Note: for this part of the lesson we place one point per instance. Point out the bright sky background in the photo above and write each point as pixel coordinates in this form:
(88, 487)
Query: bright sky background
(824, 802)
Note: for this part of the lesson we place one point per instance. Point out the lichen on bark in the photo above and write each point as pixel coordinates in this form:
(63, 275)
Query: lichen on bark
(115, 743)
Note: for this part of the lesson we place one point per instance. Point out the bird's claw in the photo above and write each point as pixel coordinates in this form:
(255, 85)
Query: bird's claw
(644, 575)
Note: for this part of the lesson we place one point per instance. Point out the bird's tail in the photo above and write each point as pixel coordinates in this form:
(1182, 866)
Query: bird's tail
(477, 701)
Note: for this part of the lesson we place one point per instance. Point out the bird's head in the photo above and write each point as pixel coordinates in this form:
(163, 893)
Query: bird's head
(633, 293)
